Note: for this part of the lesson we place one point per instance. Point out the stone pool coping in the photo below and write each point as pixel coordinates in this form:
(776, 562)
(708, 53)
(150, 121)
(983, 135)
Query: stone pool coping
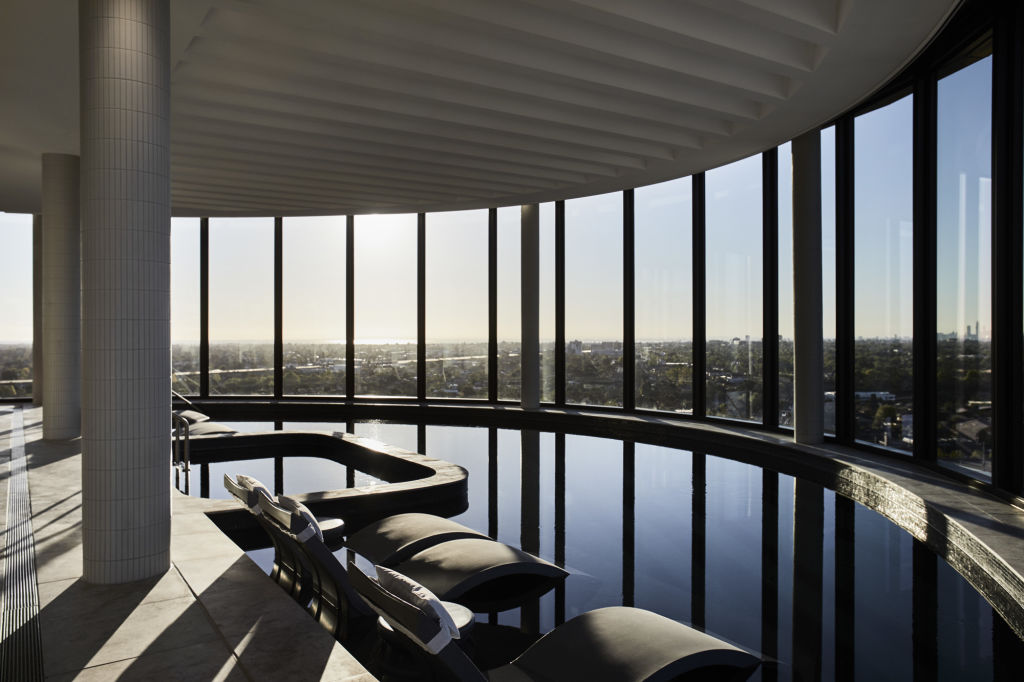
(413, 482)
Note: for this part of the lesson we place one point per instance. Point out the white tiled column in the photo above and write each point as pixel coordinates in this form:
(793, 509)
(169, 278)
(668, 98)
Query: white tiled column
(37, 309)
(62, 418)
(125, 104)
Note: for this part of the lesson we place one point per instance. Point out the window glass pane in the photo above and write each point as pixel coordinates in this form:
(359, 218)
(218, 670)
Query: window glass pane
(546, 324)
(16, 305)
(663, 242)
(185, 305)
(509, 302)
(964, 270)
(456, 289)
(785, 171)
(385, 302)
(734, 288)
(241, 306)
(828, 272)
(593, 300)
(313, 305)
(883, 275)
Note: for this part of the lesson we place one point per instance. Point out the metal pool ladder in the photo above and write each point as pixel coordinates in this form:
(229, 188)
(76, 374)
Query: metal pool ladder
(180, 454)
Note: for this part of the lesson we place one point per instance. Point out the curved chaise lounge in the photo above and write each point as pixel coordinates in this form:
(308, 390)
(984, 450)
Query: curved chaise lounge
(288, 571)
(614, 644)
(456, 562)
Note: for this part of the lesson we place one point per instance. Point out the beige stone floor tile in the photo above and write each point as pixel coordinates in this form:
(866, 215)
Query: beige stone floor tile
(122, 630)
(186, 664)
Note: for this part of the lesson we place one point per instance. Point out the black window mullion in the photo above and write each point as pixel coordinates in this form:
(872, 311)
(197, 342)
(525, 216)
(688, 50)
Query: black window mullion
(421, 306)
(350, 313)
(559, 303)
(770, 288)
(844, 280)
(699, 373)
(492, 305)
(278, 307)
(1007, 219)
(204, 307)
(925, 254)
(628, 303)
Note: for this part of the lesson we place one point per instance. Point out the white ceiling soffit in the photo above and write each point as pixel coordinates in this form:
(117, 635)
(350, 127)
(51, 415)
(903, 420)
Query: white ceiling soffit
(326, 107)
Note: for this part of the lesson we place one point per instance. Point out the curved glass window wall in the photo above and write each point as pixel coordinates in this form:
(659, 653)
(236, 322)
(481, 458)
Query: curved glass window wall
(676, 297)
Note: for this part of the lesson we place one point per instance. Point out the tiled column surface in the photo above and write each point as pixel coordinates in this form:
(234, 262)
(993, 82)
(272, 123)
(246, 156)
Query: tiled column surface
(125, 105)
(37, 309)
(808, 374)
(61, 298)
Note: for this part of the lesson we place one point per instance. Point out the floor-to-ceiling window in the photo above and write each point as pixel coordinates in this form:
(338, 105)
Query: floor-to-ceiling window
(663, 239)
(241, 306)
(593, 300)
(964, 269)
(785, 189)
(313, 305)
(16, 305)
(828, 273)
(509, 302)
(185, 305)
(883, 275)
(734, 290)
(546, 324)
(385, 305)
(456, 315)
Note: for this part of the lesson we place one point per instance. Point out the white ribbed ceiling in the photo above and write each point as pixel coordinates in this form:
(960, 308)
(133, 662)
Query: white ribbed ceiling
(319, 106)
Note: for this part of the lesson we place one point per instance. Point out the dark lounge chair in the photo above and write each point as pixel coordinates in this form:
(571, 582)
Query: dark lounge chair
(614, 644)
(288, 570)
(483, 575)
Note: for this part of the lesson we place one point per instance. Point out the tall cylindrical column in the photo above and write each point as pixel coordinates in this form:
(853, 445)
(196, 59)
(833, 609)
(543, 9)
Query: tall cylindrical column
(37, 309)
(62, 332)
(529, 355)
(808, 365)
(125, 105)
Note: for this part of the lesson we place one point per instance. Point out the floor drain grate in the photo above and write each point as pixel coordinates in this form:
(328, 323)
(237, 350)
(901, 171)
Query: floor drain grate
(21, 648)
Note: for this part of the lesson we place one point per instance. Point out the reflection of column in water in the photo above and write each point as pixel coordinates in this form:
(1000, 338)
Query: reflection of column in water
(808, 533)
(1007, 650)
(628, 521)
(926, 613)
(492, 495)
(279, 466)
(350, 471)
(529, 538)
(204, 480)
(492, 482)
(769, 571)
(560, 524)
(844, 559)
(698, 548)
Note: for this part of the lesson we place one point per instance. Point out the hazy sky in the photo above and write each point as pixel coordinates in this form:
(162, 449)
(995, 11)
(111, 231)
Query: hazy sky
(883, 221)
(964, 227)
(241, 252)
(16, 278)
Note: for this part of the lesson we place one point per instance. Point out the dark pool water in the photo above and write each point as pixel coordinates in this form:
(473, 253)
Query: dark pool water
(824, 586)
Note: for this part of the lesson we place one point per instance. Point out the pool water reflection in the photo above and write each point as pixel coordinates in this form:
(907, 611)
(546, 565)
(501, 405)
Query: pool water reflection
(781, 566)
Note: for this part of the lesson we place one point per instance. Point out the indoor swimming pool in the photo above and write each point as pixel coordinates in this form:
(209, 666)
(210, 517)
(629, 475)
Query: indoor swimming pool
(807, 578)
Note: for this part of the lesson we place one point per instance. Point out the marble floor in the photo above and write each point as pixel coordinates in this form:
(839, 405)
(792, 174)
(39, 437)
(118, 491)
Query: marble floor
(213, 616)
